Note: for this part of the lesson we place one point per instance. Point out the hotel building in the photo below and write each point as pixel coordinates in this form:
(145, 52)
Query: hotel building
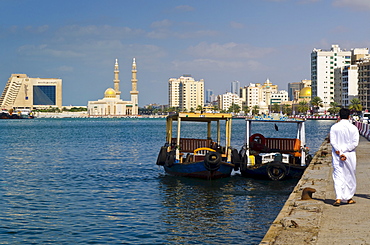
(23, 92)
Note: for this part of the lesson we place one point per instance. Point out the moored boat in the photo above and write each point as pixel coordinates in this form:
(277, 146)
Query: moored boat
(198, 156)
(19, 114)
(275, 158)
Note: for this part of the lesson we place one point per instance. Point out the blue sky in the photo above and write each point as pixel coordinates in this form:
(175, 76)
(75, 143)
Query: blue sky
(216, 40)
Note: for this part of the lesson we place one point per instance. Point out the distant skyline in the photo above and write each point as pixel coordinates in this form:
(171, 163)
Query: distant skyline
(215, 40)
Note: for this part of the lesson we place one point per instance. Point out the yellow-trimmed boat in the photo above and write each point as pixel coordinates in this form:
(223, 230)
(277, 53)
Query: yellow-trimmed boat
(198, 156)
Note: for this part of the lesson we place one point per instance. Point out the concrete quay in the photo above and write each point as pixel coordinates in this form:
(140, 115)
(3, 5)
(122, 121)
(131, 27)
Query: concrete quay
(316, 221)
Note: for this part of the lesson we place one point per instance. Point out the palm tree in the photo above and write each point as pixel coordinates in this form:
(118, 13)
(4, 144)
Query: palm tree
(199, 108)
(316, 102)
(334, 108)
(355, 105)
(287, 109)
(234, 108)
(275, 107)
(246, 109)
(255, 109)
(303, 107)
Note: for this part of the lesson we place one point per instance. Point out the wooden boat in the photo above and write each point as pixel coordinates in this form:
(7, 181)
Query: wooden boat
(275, 158)
(200, 156)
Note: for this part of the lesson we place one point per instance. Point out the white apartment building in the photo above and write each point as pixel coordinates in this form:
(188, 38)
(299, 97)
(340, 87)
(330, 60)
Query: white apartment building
(185, 93)
(251, 94)
(346, 84)
(256, 94)
(279, 97)
(228, 99)
(323, 65)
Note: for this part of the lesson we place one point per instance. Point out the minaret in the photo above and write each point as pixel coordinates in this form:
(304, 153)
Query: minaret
(116, 80)
(134, 93)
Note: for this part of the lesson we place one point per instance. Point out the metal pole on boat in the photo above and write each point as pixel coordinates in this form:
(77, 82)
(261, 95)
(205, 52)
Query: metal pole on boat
(209, 130)
(218, 133)
(228, 139)
(178, 138)
(247, 135)
(303, 144)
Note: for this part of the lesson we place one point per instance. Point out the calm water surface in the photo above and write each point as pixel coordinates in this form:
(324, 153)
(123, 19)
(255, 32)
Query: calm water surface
(94, 181)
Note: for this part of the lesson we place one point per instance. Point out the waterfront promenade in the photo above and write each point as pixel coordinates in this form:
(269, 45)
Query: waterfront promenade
(316, 221)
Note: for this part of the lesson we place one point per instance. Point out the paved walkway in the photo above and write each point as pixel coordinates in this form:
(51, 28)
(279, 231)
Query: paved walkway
(349, 224)
(316, 221)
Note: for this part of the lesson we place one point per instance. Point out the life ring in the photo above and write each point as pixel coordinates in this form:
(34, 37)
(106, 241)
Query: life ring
(276, 171)
(162, 156)
(212, 161)
(259, 138)
(170, 160)
(236, 159)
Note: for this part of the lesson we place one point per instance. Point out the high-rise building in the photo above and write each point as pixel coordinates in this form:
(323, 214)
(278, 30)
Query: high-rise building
(185, 93)
(364, 83)
(345, 84)
(23, 92)
(323, 65)
(235, 87)
(208, 96)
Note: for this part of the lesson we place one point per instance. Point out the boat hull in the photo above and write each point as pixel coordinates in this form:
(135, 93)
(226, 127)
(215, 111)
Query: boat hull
(197, 170)
(265, 172)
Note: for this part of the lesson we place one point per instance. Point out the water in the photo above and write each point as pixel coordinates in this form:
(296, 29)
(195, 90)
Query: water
(94, 181)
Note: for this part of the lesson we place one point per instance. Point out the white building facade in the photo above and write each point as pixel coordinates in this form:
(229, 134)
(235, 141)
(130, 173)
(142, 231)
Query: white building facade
(323, 64)
(225, 101)
(186, 93)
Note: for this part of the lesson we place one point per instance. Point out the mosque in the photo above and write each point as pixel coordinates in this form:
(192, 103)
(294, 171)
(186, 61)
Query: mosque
(112, 105)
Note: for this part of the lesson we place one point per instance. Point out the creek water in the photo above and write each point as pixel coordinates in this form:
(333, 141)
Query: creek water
(95, 181)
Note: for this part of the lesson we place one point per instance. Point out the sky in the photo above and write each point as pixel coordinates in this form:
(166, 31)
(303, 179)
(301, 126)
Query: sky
(219, 41)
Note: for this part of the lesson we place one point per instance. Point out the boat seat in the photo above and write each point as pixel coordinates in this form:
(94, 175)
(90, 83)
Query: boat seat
(189, 145)
(283, 145)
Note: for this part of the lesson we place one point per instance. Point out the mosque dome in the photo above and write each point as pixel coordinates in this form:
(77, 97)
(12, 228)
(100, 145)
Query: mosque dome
(305, 93)
(110, 93)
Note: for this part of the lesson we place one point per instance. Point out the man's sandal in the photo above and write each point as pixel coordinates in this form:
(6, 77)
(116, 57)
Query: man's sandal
(351, 201)
(336, 203)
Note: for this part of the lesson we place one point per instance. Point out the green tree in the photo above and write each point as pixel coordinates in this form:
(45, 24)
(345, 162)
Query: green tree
(355, 105)
(215, 107)
(255, 109)
(334, 108)
(199, 108)
(287, 109)
(246, 109)
(275, 107)
(234, 108)
(303, 107)
(316, 102)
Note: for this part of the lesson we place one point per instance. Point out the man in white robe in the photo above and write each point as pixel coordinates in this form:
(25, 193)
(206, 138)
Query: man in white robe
(344, 138)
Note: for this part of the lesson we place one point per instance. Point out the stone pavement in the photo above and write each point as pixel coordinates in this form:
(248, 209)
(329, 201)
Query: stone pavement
(316, 221)
(349, 223)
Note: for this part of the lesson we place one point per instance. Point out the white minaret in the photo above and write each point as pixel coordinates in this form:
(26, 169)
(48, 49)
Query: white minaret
(116, 80)
(134, 93)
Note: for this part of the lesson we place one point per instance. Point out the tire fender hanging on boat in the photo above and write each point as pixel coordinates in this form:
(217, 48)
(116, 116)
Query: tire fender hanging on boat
(212, 161)
(162, 156)
(236, 159)
(276, 170)
(170, 160)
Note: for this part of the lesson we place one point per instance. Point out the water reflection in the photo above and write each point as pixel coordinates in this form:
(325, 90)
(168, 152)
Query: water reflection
(221, 211)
